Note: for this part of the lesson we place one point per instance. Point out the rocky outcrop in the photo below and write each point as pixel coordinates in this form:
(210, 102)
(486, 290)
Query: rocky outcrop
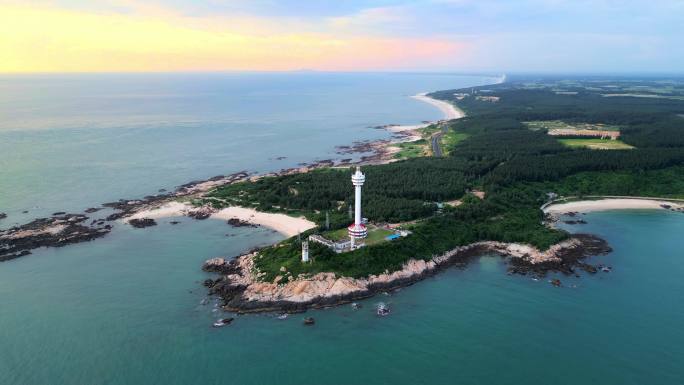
(142, 222)
(242, 290)
(57, 231)
(201, 213)
(237, 222)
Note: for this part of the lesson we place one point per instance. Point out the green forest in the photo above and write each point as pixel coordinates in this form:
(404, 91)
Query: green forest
(515, 166)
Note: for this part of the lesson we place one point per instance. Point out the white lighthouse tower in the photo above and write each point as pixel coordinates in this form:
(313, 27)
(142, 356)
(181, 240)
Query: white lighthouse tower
(305, 251)
(357, 230)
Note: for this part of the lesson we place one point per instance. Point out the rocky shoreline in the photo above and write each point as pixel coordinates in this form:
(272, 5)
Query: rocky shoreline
(56, 231)
(64, 228)
(241, 290)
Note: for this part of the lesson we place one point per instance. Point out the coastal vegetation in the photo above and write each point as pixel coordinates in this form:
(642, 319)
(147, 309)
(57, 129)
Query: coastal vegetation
(501, 148)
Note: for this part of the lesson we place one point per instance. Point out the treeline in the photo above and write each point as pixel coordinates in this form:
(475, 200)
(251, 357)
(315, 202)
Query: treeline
(394, 192)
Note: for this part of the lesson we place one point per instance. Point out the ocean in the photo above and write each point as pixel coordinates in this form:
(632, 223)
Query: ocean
(130, 308)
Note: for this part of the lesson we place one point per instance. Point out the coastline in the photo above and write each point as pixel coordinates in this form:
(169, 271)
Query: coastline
(449, 110)
(242, 291)
(62, 229)
(605, 204)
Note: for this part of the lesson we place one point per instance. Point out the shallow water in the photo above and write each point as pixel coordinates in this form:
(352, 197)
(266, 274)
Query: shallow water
(126, 309)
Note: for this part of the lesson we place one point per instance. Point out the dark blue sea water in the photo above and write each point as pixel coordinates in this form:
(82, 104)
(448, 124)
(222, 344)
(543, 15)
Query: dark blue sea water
(126, 309)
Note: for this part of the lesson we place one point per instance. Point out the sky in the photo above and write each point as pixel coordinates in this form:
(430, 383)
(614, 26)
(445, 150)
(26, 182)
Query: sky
(600, 36)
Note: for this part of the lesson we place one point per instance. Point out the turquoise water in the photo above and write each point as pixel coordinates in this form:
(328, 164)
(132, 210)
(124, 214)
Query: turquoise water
(127, 308)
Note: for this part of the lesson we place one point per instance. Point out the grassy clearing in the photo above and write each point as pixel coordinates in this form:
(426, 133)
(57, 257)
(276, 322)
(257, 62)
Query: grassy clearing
(412, 149)
(596, 144)
(559, 124)
(377, 235)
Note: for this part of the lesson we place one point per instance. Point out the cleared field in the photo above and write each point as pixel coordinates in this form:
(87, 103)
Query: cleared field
(412, 149)
(560, 125)
(596, 144)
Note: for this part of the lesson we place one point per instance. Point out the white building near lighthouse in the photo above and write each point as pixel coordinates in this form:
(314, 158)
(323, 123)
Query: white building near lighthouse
(357, 230)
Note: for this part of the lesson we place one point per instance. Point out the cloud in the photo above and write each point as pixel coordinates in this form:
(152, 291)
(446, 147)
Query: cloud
(56, 40)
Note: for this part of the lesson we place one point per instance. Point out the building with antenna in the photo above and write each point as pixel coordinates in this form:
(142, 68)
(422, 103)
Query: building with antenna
(357, 230)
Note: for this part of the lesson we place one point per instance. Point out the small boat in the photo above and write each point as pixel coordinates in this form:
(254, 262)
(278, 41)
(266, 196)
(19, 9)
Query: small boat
(382, 310)
(309, 321)
(606, 269)
(223, 322)
(355, 306)
(282, 316)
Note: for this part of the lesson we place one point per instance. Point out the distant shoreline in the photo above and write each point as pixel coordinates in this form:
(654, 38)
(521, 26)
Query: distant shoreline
(613, 203)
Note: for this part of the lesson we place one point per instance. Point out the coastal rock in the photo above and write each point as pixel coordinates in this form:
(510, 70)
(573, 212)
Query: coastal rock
(236, 222)
(3, 215)
(47, 232)
(142, 222)
(243, 291)
(201, 213)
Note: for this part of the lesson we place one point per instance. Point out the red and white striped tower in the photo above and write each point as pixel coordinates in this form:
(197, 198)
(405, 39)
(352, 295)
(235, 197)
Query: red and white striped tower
(357, 230)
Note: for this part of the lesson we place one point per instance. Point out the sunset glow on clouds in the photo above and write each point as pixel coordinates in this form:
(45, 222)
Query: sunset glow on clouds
(218, 35)
(37, 39)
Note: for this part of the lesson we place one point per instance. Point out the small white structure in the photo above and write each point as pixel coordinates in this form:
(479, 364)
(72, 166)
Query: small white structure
(357, 230)
(305, 251)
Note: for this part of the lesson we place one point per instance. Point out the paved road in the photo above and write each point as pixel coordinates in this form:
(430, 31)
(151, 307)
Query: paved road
(436, 139)
(436, 148)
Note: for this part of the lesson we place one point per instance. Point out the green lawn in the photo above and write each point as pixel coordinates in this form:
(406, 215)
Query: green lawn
(596, 144)
(412, 149)
(376, 235)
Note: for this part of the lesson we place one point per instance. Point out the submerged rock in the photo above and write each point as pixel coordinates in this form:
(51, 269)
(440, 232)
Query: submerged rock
(3, 215)
(142, 222)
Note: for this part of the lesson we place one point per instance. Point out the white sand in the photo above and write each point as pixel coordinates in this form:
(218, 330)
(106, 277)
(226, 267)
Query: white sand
(284, 224)
(449, 110)
(608, 204)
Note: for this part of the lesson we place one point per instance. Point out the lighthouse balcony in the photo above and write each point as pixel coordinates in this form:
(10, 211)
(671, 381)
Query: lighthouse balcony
(359, 231)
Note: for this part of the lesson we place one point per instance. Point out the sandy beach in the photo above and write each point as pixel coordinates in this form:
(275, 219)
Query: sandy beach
(284, 224)
(610, 204)
(449, 110)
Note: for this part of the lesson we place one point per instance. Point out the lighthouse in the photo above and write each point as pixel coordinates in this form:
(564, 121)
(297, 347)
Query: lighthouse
(357, 230)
